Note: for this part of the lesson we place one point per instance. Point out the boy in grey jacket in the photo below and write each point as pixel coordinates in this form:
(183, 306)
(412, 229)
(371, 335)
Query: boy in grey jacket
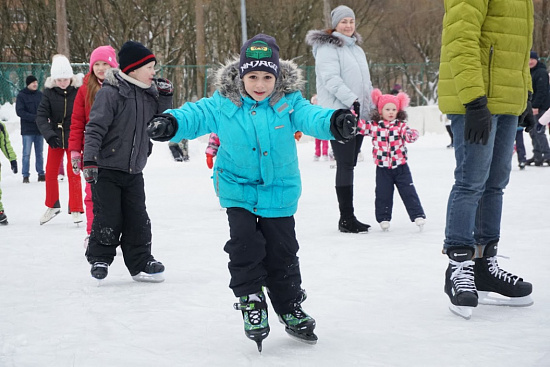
(116, 148)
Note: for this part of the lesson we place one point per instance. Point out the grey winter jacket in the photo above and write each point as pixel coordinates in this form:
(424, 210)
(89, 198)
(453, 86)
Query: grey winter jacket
(116, 137)
(342, 71)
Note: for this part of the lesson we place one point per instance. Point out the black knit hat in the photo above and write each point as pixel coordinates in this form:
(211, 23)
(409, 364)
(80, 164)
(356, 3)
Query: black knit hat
(133, 55)
(260, 53)
(30, 79)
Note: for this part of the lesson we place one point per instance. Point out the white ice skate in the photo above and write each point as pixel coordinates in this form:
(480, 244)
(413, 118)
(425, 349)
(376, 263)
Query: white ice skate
(385, 225)
(420, 223)
(49, 214)
(77, 217)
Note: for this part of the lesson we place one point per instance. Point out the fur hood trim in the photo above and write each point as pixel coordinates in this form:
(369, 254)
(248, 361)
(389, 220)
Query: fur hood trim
(231, 86)
(76, 81)
(322, 37)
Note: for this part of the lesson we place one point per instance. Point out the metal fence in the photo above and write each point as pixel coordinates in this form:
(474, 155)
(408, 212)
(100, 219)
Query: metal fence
(419, 80)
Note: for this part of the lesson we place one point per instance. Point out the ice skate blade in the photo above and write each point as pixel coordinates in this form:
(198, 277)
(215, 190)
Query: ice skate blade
(149, 278)
(495, 299)
(463, 311)
(310, 339)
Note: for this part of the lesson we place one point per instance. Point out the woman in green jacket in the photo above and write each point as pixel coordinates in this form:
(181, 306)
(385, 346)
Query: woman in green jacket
(6, 148)
(483, 87)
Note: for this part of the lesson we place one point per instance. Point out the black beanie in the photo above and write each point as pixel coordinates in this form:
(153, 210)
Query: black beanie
(260, 53)
(30, 79)
(133, 55)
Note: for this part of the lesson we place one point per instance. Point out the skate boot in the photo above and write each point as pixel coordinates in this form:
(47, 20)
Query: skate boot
(99, 270)
(385, 225)
(459, 281)
(299, 324)
(153, 273)
(489, 277)
(420, 221)
(3, 218)
(256, 324)
(49, 214)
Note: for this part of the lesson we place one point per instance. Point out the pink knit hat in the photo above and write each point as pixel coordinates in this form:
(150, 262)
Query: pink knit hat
(103, 53)
(401, 100)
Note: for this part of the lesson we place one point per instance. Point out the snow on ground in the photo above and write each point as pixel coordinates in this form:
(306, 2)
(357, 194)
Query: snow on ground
(378, 298)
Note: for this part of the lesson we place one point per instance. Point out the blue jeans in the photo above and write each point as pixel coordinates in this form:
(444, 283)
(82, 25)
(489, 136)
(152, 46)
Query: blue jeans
(28, 141)
(482, 172)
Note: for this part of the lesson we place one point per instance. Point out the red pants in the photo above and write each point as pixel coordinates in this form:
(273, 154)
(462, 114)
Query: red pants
(55, 157)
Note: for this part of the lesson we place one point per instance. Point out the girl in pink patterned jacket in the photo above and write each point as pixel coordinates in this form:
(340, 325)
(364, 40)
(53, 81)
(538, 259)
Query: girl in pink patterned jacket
(389, 133)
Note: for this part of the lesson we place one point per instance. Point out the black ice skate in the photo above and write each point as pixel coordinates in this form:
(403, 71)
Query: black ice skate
(299, 324)
(459, 281)
(177, 153)
(254, 310)
(511, 290)
(153, 273)
(99, 270)
(3, 218)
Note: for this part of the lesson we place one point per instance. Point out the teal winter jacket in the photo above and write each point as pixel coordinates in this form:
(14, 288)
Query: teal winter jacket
(257, 163)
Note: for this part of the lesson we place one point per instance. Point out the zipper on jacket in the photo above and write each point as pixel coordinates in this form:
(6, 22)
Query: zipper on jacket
(489, 67)
(64, 116)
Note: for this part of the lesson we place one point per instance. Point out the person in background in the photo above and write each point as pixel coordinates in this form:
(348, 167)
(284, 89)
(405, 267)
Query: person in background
(389, 133)
(6, 148)
(180, 150)
(343, 81)
(116, 148)
(321, 146)
(255, 112)
(396, 89)
(484, 85)
(212, 149)
(54, 122)
(541, 103)
(101, 59)
(26, 105)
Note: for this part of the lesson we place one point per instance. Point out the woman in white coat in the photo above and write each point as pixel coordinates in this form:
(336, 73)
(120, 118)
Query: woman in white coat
(343, 81)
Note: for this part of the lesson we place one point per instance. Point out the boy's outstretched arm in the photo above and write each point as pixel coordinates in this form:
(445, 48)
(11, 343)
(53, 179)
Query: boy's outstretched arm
(162, 127)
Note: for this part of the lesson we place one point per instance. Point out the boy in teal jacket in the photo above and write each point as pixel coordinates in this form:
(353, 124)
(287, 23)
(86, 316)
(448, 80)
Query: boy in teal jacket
(6, 148)
(255, 113)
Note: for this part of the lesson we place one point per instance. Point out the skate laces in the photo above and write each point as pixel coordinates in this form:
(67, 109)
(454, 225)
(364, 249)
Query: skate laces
(497, 272)
(463, 275)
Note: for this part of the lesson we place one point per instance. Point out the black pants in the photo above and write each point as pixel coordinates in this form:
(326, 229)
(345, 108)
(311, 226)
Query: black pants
(401, 177)
(120, 218)
(262, 252)
(346, 159)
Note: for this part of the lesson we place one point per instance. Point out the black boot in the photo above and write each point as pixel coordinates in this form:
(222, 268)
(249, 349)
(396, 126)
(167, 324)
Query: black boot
(348, 223)
(177, 153)
(459, 281)
(489, 277)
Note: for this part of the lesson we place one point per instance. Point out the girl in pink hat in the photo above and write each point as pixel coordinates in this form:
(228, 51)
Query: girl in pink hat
(389, 133)
(101, 59)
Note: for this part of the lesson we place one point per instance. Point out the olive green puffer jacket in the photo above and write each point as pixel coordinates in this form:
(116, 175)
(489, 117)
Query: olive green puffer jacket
(485, 49)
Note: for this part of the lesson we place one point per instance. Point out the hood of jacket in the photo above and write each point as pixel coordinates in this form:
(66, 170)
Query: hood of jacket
(113, 78)
(231, 86)
(76, 81)
(316, 38)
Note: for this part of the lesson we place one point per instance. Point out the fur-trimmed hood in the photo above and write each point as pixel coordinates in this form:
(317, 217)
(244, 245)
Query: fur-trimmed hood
(231, 86)
(322, 37)
(76, 81)
(112, 77)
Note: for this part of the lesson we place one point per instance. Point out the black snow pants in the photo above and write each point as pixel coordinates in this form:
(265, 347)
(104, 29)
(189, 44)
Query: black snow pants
(120, 218)
(262, 252)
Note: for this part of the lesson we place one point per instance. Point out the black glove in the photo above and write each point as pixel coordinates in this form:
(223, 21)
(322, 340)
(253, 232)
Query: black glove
(90, 171)
(55, 142)
(165, 87)
(343, 125)
(477, 121)
(14, 166)
(162, 127)
(356, 106)
(527, 119)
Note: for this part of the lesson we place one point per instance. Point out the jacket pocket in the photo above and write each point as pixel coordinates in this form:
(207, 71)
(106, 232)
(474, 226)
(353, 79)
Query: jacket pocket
(110, 147)
(490, 68)
(229, 186)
